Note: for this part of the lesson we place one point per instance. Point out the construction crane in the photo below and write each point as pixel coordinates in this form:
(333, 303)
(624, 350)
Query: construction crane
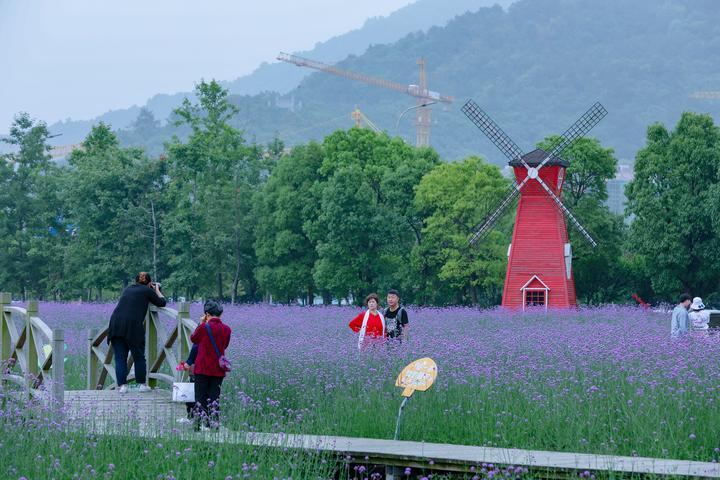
(361, 120)
(421, 92)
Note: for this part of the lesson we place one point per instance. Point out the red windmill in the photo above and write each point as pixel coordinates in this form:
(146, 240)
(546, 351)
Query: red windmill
(539, 271)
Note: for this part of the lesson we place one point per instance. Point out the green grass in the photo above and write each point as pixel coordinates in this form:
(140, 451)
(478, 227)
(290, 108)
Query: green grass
(602, 381)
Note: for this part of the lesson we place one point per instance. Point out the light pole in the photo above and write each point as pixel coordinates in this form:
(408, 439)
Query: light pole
(426, 104)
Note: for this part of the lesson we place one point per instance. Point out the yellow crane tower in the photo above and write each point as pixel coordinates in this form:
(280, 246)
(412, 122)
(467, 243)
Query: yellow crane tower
(361, 120)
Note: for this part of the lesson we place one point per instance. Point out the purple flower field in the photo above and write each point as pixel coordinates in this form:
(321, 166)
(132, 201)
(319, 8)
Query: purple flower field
(601, 380)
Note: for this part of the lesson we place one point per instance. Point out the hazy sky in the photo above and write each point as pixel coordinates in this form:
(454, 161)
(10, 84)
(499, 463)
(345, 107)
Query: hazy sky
(80, 58)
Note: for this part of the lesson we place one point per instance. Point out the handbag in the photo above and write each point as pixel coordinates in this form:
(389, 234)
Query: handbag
(223, 361)
(183, 392)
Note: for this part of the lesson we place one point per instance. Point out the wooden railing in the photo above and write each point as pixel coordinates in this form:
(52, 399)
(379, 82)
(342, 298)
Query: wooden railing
(162, 348)
(27, 349)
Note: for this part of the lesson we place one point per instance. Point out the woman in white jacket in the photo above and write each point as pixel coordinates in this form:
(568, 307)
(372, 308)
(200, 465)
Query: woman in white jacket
(698, 316)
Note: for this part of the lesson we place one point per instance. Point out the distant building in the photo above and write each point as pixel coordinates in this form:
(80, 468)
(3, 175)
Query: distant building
(287, 102)
(616, 189)
(59, 152)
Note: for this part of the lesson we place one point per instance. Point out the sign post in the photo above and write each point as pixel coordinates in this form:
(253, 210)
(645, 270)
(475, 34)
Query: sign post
(419, 375)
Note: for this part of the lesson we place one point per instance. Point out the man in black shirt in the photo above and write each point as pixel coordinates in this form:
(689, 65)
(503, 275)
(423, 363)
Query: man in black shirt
(127, 329)
(396, 317)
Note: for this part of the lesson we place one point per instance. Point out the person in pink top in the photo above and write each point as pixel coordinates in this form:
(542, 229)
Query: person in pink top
(370, 324)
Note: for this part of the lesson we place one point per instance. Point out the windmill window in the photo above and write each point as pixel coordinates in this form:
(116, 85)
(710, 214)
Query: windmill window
(535, 293)
(535, 298)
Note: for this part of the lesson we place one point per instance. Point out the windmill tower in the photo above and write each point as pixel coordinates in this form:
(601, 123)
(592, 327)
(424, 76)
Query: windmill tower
(539, 271)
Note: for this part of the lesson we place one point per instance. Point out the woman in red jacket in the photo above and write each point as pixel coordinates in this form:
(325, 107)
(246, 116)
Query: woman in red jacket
(370, 323)
(208, 373)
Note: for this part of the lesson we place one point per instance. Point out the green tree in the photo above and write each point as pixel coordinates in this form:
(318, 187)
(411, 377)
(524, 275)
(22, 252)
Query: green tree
(673, 198)
(411, 274)
(31, 223)
(285, 254)
(600, 272)
(145, 126)
(112, 196)
(366, 224)
(454, 198)
(213, 177)
(591, 166)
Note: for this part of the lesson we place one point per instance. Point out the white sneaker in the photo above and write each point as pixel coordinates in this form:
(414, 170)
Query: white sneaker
(203, 428)
(123, 388)
(183, 420)
(144, 388)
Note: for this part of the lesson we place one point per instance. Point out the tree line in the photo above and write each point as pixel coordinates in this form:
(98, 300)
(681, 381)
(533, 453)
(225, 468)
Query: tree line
(217, 216)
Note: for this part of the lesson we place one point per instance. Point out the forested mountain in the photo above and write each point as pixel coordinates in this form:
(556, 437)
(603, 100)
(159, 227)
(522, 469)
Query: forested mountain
(535, 68)
(418, 16)
(280, 77)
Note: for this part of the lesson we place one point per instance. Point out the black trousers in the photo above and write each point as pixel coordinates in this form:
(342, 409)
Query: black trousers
(207, 399)
(120, 351)
(190, 406)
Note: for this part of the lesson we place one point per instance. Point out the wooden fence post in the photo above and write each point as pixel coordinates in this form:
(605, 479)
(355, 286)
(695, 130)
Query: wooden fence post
(31, 353)
(58, 369)
(5, 339)
(92, 362)
(151, 339)
(183, 336)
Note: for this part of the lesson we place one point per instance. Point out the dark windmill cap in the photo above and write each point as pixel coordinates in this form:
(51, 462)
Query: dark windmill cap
(213, 308)
(536, 157)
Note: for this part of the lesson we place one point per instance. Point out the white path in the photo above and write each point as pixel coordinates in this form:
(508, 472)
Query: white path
(153, 414)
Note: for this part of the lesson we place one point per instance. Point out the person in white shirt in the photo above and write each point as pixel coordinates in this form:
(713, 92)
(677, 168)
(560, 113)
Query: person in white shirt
(698, 316)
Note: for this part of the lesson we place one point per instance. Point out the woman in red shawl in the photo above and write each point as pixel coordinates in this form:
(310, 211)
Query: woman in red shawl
(370, 323)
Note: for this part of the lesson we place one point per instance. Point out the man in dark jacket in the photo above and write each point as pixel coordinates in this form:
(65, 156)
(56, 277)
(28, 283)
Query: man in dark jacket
(127, 329)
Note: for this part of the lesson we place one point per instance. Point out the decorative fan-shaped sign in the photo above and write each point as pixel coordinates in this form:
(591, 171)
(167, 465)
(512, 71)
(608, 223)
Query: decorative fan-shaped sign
(419, 375)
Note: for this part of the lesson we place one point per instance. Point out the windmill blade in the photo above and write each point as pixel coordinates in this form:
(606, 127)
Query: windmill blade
(492, 130)
(568, 213)
(486, 225)
(578, 129)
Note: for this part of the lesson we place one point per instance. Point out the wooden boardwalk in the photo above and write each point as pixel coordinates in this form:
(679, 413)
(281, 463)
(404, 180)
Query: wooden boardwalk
(108, 411)
(153, 415)
(460, 457)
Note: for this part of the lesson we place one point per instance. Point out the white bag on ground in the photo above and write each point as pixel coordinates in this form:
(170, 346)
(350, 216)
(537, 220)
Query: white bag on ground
(183, 392)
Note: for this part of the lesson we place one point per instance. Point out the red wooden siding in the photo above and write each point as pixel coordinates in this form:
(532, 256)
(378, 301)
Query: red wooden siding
(538, 244)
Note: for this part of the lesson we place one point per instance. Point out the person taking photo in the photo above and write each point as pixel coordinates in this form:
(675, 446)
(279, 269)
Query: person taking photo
(126, 333)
